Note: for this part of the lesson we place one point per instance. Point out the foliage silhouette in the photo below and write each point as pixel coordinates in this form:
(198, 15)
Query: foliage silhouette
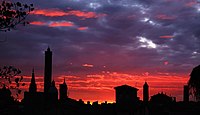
(194, 83)
(12, 14)
(8, 74)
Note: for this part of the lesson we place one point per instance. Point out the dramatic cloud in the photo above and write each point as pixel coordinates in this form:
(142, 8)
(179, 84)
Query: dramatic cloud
(49, 12)
(58, 13)
(61, 24)
(38, 23)
(53, 24)
(132, 38)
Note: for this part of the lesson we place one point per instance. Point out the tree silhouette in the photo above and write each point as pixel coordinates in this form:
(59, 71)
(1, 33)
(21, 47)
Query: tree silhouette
(8, 74)
(12, 14)
(194, 83)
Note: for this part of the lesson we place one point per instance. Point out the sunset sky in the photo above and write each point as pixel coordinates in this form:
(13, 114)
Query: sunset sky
(100, 44)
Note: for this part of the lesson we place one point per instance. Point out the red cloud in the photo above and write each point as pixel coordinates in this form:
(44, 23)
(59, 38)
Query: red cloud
(166, 62)
(88, 65)
(82, 28)
(53, 24)
(61, 24)
(166, 36)
(49, 12)
(58, 13)
(83, 14)
(38, 23)
(165, 17)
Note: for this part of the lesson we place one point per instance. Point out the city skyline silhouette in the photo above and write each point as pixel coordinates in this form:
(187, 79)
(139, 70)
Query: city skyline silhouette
(92, 56)
(53, 101)
(62, 91)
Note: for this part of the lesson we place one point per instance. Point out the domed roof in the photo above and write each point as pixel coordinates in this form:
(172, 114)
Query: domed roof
(161, 98)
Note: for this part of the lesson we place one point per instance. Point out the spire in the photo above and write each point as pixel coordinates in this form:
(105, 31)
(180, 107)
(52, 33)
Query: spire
(33, 87)
(145, 84)
(33, 76)
(64, 81)
(63, 90)
(53, 83)
(48, 49)
(145, 92)
(53, 88)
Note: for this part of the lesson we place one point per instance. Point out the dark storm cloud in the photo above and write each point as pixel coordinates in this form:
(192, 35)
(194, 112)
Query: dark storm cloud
(114, 39)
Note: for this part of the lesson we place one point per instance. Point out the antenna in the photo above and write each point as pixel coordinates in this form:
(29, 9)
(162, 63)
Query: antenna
(64, 79)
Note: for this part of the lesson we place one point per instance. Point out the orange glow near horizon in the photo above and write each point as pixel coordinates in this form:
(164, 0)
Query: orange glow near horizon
(100, 87)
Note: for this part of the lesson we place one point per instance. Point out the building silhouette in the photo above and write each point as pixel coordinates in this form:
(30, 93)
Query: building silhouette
(127, 101)
(47, 70)
(126, 94)
(145, 92)
(40, 102)
(162, 98)
(33, 100)
(33, 86)
(63, 91)
(186, 93)
(53, 92)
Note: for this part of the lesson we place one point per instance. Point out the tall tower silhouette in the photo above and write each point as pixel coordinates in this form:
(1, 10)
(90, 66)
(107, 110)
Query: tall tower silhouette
(63, 91)
(47, 70)
(33, 87)
(145, 92)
